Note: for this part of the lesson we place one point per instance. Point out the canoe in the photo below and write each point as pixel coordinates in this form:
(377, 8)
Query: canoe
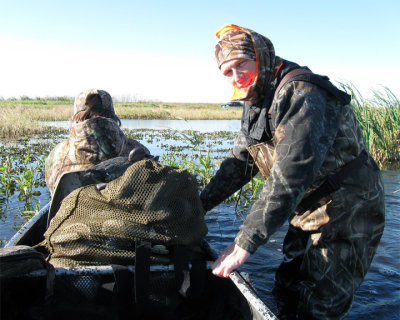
(90, 292)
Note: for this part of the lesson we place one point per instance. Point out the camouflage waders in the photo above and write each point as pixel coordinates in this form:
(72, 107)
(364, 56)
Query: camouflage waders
(329, 246)
(321, 271)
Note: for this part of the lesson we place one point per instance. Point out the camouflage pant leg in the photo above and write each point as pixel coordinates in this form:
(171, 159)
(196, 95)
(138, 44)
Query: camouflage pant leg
(323, 268)
(321, 280)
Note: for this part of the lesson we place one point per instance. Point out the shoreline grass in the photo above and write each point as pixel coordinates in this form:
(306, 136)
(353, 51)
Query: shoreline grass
(379, 117)
(53, 110)
(15, 123)
(187, 111)
(23, 117)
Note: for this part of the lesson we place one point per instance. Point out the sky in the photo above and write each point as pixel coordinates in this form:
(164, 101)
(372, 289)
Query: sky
(164, 50)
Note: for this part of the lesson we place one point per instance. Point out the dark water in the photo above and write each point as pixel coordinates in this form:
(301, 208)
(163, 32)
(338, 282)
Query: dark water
(377, 298)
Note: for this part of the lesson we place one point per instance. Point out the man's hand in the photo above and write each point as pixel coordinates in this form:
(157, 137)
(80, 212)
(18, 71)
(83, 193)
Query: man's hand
(230, 259)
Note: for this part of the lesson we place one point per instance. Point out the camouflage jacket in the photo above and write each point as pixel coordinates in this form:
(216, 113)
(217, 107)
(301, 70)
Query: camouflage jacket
(315, 135)
(90, 142)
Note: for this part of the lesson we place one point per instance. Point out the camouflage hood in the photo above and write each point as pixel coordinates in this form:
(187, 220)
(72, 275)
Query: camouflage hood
(91, 142)
(80, 103)
(99, 135)
(267, 63)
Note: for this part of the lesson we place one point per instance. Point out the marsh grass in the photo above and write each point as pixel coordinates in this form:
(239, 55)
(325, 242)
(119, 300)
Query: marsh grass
(379, 119)
(189, 111)
(15, 123)
(23, 117)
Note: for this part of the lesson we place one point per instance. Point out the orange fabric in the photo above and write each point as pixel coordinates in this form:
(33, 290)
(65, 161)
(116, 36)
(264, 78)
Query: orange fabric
(237, 93)
(277, 70)
(226, 28)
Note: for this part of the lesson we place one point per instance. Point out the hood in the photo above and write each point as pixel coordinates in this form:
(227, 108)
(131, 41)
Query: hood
(96, 139)
(267, 64)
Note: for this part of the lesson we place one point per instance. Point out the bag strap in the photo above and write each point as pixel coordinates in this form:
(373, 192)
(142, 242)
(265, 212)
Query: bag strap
(181, 269)
(131, 291)
(142, 276)
(189, 279)
(289, 76)
(123, 292)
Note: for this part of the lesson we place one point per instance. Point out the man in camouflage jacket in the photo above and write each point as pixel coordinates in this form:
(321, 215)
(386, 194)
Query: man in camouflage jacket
(329, 245)
(91, 141)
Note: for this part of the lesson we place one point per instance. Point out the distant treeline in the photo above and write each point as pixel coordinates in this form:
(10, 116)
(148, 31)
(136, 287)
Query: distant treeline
(119, 98)
(27, 98)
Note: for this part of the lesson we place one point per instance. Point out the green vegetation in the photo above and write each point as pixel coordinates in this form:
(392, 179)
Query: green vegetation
(21, 166)
(379, 119)
(17, 122)
(22, 184)
(24, 116)
(188, 111)
(22, 179)
(203, 165)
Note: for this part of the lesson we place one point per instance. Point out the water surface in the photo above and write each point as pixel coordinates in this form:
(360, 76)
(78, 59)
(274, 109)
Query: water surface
(196, 125)
(377, 298)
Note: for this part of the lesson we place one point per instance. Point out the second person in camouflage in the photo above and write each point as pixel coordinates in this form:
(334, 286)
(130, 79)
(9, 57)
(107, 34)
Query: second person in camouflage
(330, 244)
(95, 136)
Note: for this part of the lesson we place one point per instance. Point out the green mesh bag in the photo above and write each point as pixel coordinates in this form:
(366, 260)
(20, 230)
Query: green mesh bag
(149, 202)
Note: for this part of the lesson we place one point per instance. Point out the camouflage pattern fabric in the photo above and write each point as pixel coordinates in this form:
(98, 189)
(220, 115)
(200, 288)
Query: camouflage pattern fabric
(91, 142)
(267, 62)
(106, 100)
(235, 44)
(329, 248)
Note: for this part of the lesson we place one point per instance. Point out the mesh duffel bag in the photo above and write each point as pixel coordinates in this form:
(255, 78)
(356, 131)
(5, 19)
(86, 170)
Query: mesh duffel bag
(149, 202)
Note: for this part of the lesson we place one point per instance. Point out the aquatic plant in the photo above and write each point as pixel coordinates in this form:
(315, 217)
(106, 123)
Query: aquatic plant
(204, 166)
(30, 211)
(7, 184)
(22, 177)
(28, 178)
(200, 153)
(379, 119)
